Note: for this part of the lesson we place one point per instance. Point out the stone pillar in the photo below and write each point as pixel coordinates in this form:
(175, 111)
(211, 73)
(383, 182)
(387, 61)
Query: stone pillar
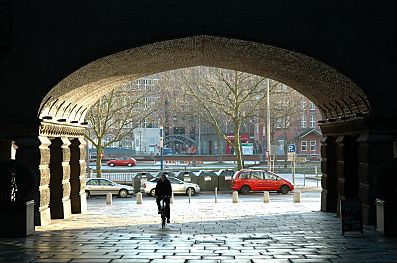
(328, 170)
(77, 175)
(373, 151)
(346, 169)
(5, 149)
(60, 178)
(34, 152)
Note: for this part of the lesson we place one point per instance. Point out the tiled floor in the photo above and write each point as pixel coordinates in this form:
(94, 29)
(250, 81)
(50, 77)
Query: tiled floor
(202, 231)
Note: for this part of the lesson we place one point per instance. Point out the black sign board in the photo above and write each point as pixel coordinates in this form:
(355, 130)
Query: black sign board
(352, 219)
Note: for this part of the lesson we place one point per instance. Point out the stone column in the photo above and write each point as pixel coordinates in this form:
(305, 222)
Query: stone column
(346, 168)
(5, 149)
(60, 178)
(328, 170)
(34, 152)
(373, 151)
(77, 175)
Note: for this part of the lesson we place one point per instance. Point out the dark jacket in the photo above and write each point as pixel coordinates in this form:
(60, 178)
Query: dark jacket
(163, 188)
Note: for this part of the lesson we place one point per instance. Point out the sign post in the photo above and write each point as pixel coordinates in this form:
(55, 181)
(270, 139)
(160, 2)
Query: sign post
(292, 150)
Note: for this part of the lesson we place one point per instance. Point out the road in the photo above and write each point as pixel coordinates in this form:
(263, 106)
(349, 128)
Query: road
(300, 179)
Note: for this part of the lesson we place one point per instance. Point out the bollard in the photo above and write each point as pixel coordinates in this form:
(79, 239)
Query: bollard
(109, 198)
(297, 197)
(190, 195)
(235, 197)
(172, 198)
(139, 198)
(266, 197)
(216, 194)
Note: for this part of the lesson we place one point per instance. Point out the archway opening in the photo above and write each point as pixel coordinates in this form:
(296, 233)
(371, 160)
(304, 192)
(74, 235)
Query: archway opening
(337, 97)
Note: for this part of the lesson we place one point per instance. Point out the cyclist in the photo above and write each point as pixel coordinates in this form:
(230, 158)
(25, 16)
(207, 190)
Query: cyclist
(163, 190)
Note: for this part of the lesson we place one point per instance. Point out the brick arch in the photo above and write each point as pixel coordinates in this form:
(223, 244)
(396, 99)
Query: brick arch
(335, 94)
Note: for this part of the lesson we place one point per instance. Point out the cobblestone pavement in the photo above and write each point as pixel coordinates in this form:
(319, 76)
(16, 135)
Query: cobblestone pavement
(202, 231)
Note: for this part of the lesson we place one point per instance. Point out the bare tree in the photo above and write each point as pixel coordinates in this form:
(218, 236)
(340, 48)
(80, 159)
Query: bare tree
(216, 95)
(118, 114)
(285, 109)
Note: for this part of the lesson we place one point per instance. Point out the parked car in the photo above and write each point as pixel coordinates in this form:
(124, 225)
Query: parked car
(124, 161)
(178, 186)
(246, 181)
(102, 186)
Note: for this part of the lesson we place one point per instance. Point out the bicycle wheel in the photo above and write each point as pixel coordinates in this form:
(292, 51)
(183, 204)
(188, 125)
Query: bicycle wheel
(162, 219)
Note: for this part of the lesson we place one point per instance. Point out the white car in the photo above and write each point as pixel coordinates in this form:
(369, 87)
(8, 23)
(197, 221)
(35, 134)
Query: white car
(102, 186)
(178, 186)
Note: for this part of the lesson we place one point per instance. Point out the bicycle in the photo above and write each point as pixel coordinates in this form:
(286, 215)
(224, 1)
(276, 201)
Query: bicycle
(163, 212)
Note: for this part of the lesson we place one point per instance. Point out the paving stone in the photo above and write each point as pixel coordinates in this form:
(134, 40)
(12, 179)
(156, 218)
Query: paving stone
(200, 232)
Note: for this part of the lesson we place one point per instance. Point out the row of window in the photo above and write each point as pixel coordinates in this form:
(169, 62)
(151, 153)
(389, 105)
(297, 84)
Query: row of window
(303, 105)
(257, 175)
(313, 146)
(312, 120)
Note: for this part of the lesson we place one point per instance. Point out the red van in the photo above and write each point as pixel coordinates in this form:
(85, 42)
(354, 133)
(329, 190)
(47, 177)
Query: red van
(245, 181)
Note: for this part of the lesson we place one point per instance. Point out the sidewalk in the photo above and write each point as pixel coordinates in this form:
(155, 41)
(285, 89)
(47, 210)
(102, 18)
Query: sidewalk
(202, 231)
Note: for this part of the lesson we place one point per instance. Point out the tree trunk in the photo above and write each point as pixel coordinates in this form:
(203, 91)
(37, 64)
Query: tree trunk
(219, 148)
(99, 151)
(237, 147)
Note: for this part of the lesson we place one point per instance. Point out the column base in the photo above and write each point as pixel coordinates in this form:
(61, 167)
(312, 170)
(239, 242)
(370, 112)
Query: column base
(67, 209)
(45, 216)
(83, 202)
(328, 202)
(386, 217)
(369, 214)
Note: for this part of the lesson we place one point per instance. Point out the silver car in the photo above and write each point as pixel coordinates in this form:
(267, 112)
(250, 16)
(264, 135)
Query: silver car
(178, 186)
(101, 186)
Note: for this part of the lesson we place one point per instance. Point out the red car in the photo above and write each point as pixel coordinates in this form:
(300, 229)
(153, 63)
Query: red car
(124, 161)
(245, 181)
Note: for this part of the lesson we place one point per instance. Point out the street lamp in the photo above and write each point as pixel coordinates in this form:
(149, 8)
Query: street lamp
(161, 147)
(268, 146)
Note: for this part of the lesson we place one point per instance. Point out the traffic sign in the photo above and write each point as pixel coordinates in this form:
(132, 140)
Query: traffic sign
(291, 148)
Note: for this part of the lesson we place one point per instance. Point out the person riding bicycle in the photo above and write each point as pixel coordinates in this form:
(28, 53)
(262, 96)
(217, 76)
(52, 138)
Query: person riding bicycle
(163, 190)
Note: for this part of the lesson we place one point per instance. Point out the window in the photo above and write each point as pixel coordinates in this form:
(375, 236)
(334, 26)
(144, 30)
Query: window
(303, 121)
(313, 146)
(244, 175)
(282, 123)
(312, 120)
(312, 106)
(303, 104)
(269, 176)
(256, 175)
(174, 181)
(303, 145)
(93, 182)
(106, 182)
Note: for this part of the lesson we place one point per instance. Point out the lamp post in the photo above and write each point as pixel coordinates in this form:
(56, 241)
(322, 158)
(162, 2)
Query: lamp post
(268, 146)
(199, 136)
(161, 147)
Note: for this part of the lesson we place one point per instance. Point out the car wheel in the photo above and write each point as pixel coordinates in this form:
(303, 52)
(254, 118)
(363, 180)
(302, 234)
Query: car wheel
(130, 164)
(152, 192)
(87, 193)
(193, 192)
(245, 189)
(284, 189)
(111, 164)
(123, 193)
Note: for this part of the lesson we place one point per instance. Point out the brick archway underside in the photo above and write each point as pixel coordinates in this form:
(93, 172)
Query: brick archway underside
(331, 91)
